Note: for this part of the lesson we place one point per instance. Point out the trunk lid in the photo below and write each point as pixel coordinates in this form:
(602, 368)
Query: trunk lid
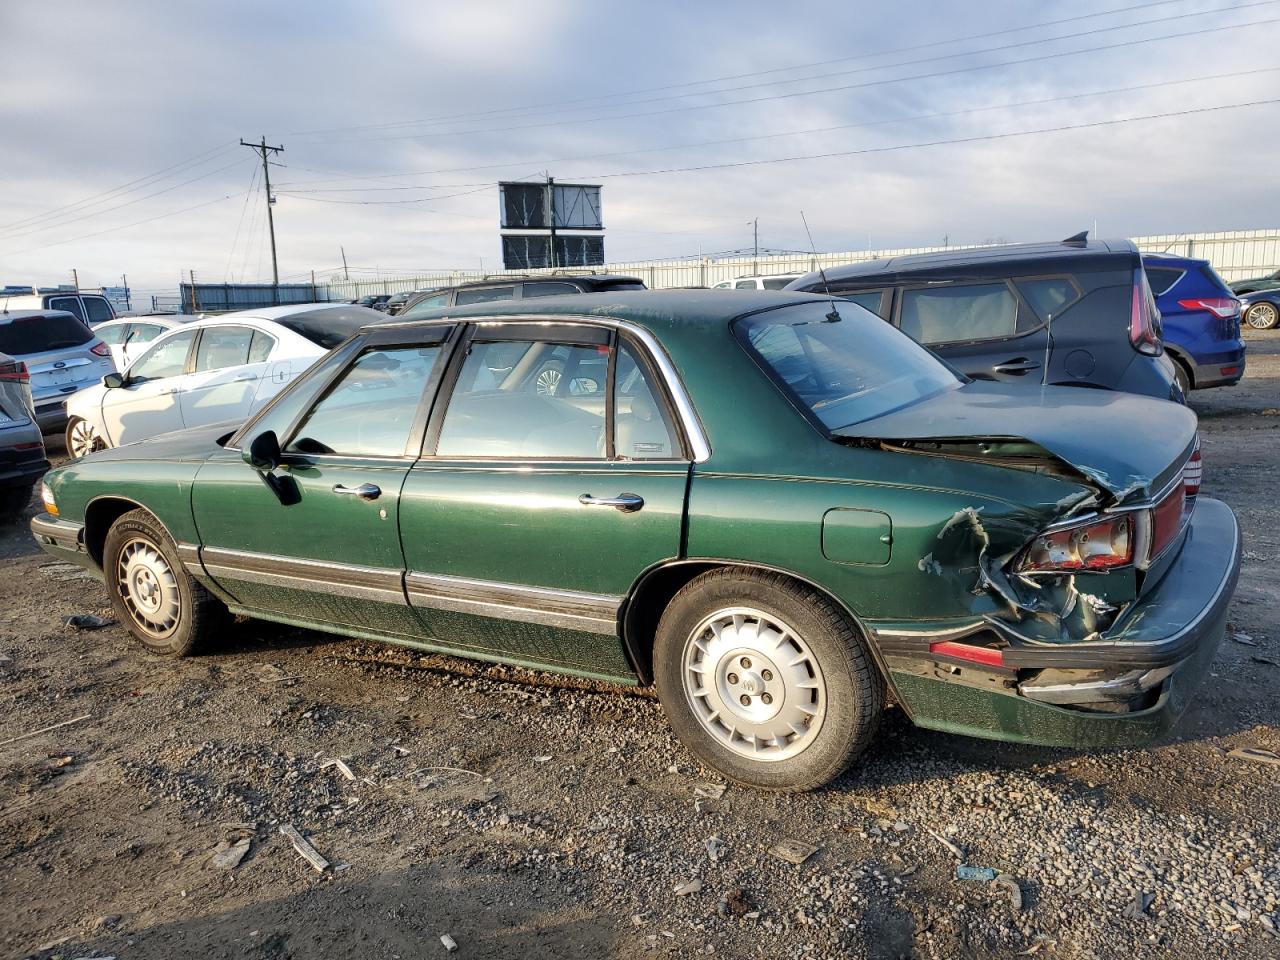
(1130, 446)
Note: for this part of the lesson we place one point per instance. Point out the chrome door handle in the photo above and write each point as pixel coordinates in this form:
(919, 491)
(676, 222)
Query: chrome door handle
(1020, 365)
(366, 491)
(626, 502)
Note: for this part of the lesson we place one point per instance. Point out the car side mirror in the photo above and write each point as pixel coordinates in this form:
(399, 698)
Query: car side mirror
(113, 381)
(264, 452)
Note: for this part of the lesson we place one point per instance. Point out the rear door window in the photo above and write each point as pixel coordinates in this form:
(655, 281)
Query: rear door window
(69, 304)
(39, 333)
(486, 295)
(113, 334)
(98, 310)
(745, 285)
(222, 347)
(1049, 296)
(959, 313)
(1162, 279)
(545, 289)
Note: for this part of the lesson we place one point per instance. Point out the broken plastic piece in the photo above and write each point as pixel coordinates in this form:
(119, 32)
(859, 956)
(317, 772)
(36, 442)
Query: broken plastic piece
(966, 872)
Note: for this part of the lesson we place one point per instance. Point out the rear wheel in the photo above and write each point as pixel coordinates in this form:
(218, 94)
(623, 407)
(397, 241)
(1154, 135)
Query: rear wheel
(1262, 315)
(765, 680)
(82, 438)
(151, 592)
(1181, 375)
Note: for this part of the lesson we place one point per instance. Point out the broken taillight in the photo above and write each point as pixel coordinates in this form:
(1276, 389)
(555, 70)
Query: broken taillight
(1091, 545)
(14, 370)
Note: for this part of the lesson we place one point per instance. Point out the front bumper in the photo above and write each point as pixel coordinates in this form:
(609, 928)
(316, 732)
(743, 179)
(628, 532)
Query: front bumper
(63, 539)
(1161, 647)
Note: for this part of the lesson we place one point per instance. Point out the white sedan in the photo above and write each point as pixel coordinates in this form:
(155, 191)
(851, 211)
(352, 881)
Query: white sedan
(213, 370)
(129, 337)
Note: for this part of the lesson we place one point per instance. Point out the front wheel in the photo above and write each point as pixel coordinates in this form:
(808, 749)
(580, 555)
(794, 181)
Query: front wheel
(82, 438)
(151, 592)
(1262, 315)
(765, 680)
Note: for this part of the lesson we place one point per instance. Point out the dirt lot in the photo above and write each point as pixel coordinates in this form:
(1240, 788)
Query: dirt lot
(553, 820)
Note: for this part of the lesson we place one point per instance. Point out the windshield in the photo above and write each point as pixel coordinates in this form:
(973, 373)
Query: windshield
(841, 362)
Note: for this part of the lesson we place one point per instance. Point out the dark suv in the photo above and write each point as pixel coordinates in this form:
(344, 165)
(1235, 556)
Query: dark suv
(513, 288)
(1077, 312)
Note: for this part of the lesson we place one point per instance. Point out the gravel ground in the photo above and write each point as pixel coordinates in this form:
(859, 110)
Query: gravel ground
(520, 814)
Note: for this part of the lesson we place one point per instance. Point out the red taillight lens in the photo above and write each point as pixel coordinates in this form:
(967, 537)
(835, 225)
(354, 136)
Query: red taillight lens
(1166, 520)
(100, 349)
(1144, 318)
(14, 370)
(1221, 307)
(1096, 545)
(1192, 473)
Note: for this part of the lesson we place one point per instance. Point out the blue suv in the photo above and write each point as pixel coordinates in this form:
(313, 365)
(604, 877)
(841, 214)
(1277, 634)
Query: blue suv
(1201, 321)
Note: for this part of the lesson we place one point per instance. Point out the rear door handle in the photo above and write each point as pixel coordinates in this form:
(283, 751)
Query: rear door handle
(1016, 365)
(626, 502)
(366, 491)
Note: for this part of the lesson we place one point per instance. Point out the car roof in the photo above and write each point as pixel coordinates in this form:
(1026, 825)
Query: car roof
(1172, 260)
(658, 311)
(289, 310)
(1031, 254)
(25, 314)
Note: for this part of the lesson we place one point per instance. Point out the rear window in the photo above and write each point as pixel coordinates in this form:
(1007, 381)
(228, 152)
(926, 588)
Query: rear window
(328, 328)
(1162, 279)
(23, 335)
(776, 283)
(608, 286)
(546, 288)
(841, 362)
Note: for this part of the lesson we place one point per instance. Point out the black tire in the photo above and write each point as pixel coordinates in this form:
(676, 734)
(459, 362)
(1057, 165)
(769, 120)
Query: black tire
(13, 502)
(1263, 315)
(854, 688)
(1181, 375)
(199, 616)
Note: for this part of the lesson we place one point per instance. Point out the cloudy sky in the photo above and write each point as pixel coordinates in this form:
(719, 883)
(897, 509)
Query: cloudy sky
(121, 121)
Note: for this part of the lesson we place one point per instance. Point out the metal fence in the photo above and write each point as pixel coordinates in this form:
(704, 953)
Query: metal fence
(226, 297)
(1235, 255)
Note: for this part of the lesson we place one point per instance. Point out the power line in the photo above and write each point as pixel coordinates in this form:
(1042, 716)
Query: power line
(253, 181)
(119, 206)
(773, 136)
(931, 143)
(742, 76)
(127, 226)
(123, 188)
(864, 84)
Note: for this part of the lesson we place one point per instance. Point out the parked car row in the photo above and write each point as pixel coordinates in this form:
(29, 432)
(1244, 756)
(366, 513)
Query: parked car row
(212, 370)
(1030, 565)
(22, 460)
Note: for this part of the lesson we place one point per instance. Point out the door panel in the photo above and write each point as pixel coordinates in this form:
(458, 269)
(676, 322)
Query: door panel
(327, 557)
(499, 527)
(148, 403)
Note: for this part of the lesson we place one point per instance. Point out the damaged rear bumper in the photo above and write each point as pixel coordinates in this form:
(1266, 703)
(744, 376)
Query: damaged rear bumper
(1126, 687)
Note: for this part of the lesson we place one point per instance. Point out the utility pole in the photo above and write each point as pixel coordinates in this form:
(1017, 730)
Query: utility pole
(75, 278)
(346, 274)
(755, 244)
(195, 307)
(262, 149)
(551, 218)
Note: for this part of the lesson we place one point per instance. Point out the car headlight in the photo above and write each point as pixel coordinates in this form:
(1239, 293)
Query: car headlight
(46, 494)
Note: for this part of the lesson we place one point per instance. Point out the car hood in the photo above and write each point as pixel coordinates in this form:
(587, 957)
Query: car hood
(1126, 444)
(194, 444)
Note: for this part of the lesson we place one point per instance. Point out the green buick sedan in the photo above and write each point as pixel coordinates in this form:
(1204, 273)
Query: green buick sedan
(774, 507)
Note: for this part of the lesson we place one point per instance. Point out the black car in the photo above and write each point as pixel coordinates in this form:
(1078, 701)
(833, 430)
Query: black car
(373, 301)
(514, 288)
(1078, 312)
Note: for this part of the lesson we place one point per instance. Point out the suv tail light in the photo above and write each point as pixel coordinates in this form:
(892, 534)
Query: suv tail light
(1220, 307)
(1144, 318)
(14, 371)
(100, 349)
